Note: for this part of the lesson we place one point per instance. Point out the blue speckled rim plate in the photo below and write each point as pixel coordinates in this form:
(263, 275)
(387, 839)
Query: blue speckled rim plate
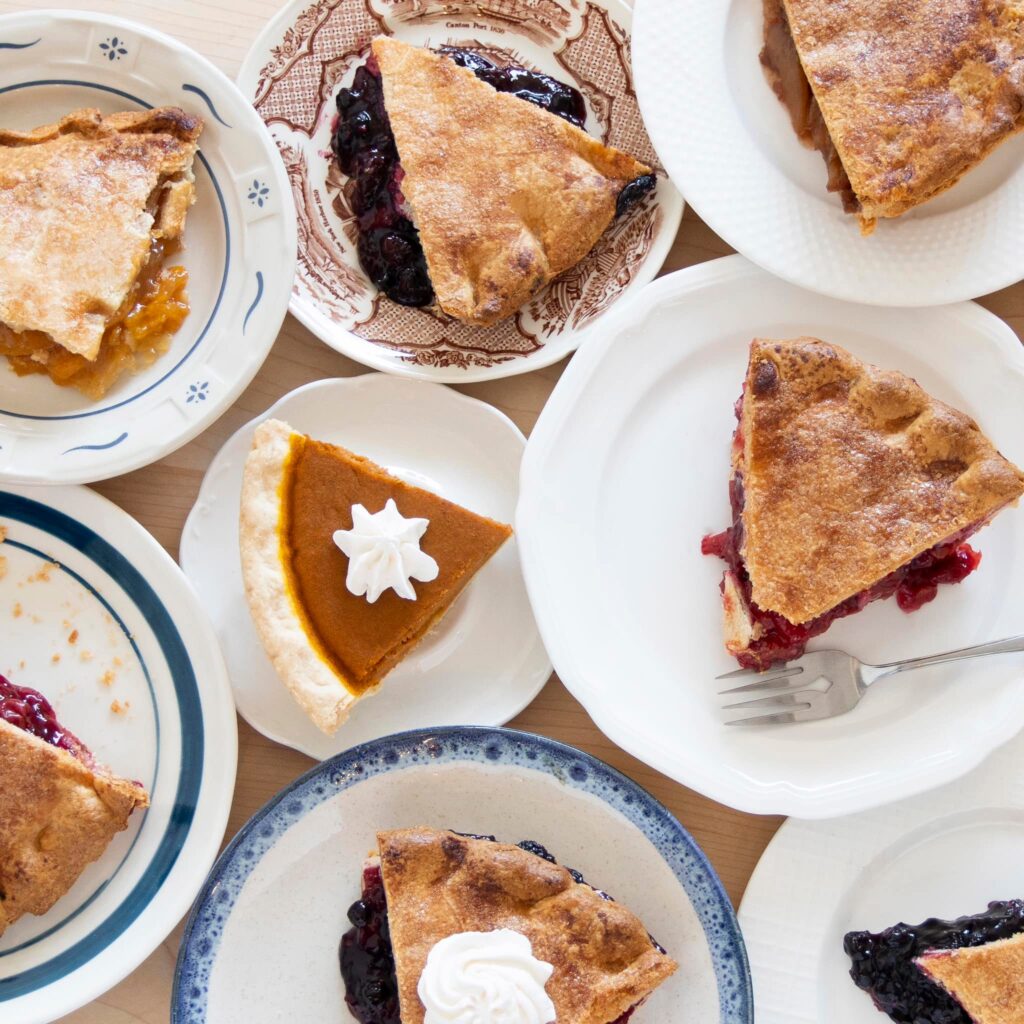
(239, 247)
(582, 772)
(119, 565)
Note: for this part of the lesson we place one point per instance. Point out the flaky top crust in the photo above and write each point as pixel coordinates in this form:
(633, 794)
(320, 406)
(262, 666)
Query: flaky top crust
(505, 196)
(914, 93)
(849, 472)
(57, 815)
(80, 202)
(438, 883)
(987, 981)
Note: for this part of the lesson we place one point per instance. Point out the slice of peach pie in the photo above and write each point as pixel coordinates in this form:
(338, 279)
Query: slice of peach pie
(849, 484)
(92, 209)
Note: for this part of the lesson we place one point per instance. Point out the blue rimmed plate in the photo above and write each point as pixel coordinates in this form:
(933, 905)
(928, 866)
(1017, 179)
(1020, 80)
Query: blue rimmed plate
(239, 247)
(95, 614)
(261, 944)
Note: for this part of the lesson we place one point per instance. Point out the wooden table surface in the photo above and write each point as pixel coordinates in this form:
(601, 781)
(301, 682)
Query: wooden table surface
(161, 495)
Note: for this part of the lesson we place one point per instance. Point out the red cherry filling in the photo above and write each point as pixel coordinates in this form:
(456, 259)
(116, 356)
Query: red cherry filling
(913, 584)
(29, 710)
(389, 246)
(367, 959)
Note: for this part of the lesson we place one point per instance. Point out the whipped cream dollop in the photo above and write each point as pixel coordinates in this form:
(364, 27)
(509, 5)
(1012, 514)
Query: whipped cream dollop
(485, 978)
(383, 551)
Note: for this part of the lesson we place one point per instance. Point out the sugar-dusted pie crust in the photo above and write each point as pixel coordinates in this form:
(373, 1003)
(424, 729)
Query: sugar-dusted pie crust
(849, 472)
(80, 204)
(914, 93)
(331, 647)
(57, 815)
(505, 195)
(438, 883)
(987, 981)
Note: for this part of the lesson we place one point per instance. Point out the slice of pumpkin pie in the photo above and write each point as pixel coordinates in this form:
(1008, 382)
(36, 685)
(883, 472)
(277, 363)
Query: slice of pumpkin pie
(347, 567)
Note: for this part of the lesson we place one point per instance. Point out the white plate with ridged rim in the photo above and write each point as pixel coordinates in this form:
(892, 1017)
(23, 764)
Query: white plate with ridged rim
(239, 247)
(94, 614)
(293, 73)
(283, 886)
(727, 143)
(485, 661)
(628, 468)
(947, 855)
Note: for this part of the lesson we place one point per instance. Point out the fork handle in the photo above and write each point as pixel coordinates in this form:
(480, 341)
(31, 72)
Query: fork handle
(1008, 646)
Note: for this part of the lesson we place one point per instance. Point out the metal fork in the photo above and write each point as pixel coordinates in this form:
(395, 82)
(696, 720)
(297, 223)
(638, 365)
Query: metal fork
(824, 684)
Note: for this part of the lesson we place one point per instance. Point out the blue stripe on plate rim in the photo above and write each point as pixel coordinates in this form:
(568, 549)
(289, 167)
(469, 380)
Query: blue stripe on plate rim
(112, 562)
(482, 745)
(224, 277)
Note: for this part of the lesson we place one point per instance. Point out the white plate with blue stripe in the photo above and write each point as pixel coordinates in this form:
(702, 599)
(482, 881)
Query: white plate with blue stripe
(94, 614)
(239, 248)
(261, 945)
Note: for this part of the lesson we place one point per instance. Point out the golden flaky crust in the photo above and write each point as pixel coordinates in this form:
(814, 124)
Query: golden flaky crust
(914, 93)
(438, 883)
(505, 195)
(849, 472)
(987, 981)
(80, 202)
(56, 816)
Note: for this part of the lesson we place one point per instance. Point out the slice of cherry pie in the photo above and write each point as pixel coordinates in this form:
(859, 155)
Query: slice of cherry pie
(59, 808)
(466, 197)
(849, 484)
(430, 892)
(967, 971)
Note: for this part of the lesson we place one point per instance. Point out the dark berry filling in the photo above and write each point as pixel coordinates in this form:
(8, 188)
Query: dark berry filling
(389, 246)
(368, 961)
(913, 584)
(29, 710)
(883, 964)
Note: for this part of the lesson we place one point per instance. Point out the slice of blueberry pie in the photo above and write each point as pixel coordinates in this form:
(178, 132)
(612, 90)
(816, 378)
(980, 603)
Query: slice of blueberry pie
(59, 808)
(849, 484)
(450, 922)
(473, 185)
(967, 971)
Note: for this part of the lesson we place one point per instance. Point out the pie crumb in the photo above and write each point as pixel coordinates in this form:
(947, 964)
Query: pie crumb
(73, 637)
(118, 708)
(3, 534)
(3, 566)
(43, 575)
(108, 677)
(85, 655)
(55, 659)
(17, 610)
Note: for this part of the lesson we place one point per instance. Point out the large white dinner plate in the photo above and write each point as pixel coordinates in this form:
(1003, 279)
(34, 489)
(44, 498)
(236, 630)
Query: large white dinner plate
(485, 661)
(947, 855)
(628, 468)
(293, 73)
(727, 143)
(261, 945)
(239, 247)
(95, 615)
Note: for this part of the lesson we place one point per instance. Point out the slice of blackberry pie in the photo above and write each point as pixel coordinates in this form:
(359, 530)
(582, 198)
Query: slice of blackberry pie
(59, 808)
(850, 484)
(473, 185)
(967, 971)
(454, 921)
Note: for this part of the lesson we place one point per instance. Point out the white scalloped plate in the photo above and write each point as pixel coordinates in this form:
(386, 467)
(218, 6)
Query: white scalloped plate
(628, 468)
(727, 143)
(239, 247)
(945, 855)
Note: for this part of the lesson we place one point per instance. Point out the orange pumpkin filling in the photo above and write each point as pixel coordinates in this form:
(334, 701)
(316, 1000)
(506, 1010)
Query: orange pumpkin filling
(137, 335)
(359, 640)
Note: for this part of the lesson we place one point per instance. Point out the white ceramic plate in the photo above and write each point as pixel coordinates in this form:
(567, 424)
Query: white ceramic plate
(293, 73)
(944, 855)
(279, 894)
(628, 468)
(728, 145)
(239, 248)
(485, 662)
(95, 615)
